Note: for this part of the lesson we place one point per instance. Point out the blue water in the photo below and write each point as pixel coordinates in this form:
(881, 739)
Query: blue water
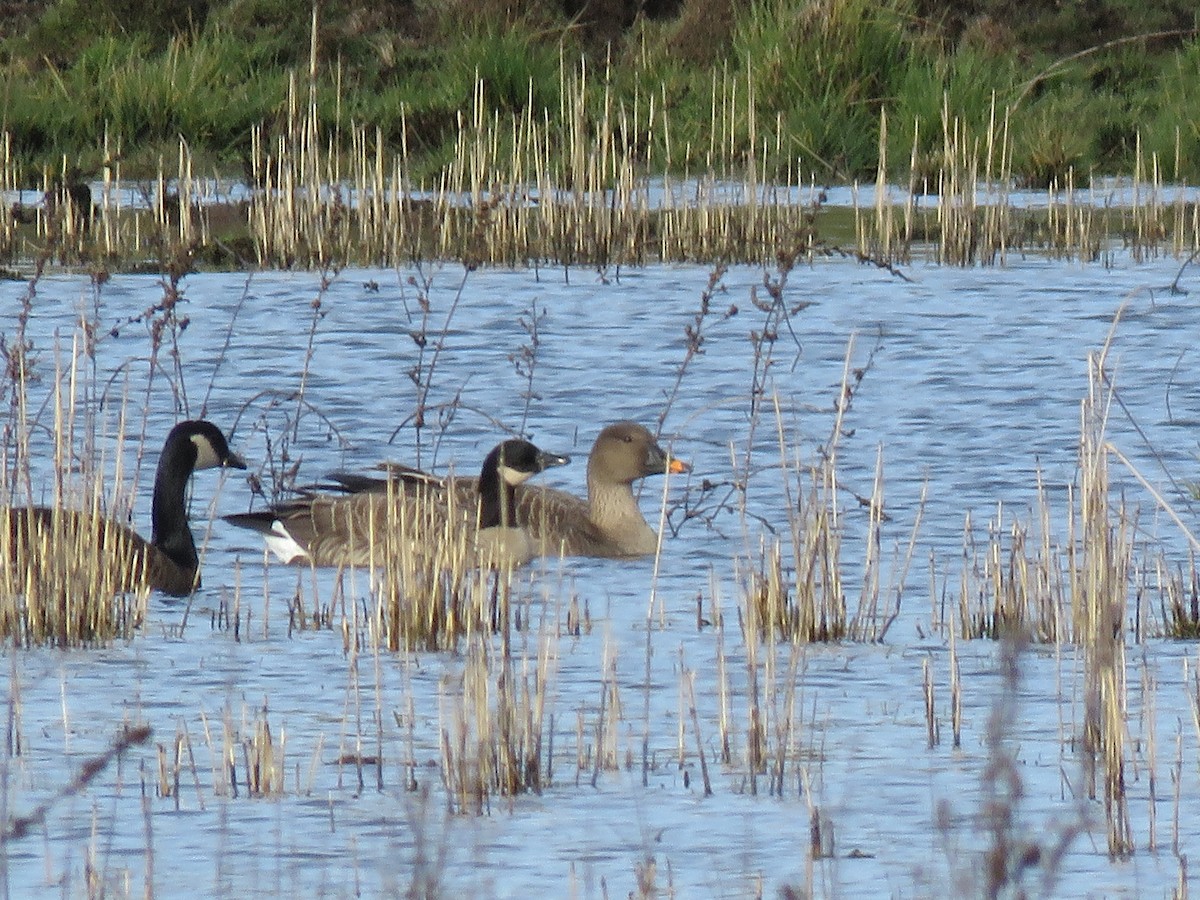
(973, 385)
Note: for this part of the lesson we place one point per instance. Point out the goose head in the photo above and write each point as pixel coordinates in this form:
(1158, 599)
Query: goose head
(510, 463)
(191, 445)
(627, 451)
(208, 444)
(517, 461)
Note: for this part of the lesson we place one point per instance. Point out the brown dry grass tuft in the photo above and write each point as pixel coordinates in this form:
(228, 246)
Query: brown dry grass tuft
(494, 718)
(583, 187)
(69, 577)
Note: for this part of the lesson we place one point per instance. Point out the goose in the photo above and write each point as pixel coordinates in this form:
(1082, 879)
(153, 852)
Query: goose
(323, 529)
(168, 562)
(609, 523)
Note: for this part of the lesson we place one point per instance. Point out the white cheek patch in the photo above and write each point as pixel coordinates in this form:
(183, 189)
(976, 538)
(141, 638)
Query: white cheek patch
(206, 456)
(514, 476)
(283, 545)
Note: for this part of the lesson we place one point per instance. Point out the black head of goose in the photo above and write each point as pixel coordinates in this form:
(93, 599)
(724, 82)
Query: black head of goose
(510, 464)
(322, 529)
(610, 522)
(168, 562)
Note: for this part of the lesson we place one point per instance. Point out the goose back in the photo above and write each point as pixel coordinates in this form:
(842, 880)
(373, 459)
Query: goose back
(83, 547)
(609, 523)
(412, 515)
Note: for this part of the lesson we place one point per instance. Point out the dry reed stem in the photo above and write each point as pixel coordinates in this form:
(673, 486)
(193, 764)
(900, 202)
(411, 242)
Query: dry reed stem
(1099, 611)
(932, 736)
(71, 574)
(571, 188)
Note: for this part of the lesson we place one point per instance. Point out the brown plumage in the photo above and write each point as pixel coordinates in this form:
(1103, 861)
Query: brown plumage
(123, 560)
(413, 513)
(609, 523)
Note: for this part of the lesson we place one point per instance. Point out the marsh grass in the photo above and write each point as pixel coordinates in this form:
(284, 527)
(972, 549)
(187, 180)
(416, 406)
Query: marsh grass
(429, 587)
(417, 581)
(115, 223)
(603, 180)
(1180, 603)
(1024, 576)
(70, 577)
(1023, 585)
(244, 757)
(1102, 590)
(800, 588)
(493, 724)
(1017, 581)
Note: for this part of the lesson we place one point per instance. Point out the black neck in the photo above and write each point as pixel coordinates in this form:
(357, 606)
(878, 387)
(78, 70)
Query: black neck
(497, 499)
(168, 513)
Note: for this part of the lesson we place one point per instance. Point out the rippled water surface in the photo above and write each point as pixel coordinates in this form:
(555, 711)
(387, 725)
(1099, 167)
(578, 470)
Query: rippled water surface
(972, 387)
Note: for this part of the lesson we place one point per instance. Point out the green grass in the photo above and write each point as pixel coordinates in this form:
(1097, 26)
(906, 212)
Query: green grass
(809, 80)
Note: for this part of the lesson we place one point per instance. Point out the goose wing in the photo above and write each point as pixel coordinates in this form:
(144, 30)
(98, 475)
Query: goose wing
(88, 552)
(369, 528)
(558, 522)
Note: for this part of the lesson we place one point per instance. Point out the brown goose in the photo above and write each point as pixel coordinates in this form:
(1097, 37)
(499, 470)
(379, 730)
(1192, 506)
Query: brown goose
(608, 523)
(168, 562)
(321, 529)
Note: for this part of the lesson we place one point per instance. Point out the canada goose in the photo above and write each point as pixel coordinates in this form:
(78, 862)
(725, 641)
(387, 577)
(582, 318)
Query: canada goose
(609, 523)
(168, 562)
(322, 529)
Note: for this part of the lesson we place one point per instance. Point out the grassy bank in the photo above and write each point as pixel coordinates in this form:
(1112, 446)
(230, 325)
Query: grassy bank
(88, 81)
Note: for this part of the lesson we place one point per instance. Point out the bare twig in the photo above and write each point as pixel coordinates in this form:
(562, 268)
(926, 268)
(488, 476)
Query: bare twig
(20, 826)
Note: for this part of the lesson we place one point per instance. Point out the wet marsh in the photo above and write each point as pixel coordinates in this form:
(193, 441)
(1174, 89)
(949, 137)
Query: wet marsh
(633, 729)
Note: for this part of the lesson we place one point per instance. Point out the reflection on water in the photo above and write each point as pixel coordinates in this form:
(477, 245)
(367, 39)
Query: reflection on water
(973, 385)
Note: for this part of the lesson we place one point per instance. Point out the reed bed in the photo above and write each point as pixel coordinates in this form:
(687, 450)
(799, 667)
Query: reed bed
(1023, 585)
(1042, 577)
(494, 721)
(1016, 582)
(1179, 590)
(1023, 577)
(800, 589)
(66, 579)
(599, 182)
(424, 584)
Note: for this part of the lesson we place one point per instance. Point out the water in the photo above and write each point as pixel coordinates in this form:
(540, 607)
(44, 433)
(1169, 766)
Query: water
(973, 386)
